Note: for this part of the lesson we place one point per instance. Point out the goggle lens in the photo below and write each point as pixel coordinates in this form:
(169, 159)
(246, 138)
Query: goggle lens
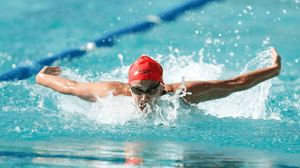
(149, 91)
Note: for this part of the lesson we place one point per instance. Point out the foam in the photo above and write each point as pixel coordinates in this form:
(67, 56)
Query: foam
(245, 104)
(121, 110)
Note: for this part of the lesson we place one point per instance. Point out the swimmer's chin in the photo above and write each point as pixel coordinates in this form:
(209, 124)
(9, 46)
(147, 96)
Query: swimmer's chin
(146, 110)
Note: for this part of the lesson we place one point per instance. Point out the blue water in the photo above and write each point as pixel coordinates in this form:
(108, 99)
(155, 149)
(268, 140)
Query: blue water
(256, 128)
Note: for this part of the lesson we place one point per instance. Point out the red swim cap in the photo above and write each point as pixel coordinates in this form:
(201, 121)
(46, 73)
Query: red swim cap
(145, 68)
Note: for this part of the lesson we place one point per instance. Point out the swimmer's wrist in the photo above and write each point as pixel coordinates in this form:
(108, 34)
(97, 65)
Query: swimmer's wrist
(43, 70)
(277, 68)
(276, 65)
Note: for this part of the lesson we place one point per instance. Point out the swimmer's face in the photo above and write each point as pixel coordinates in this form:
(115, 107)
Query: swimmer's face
(153, 91)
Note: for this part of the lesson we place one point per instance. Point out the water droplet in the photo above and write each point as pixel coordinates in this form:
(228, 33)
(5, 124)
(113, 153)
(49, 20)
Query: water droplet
(17, 129)
(208, 41)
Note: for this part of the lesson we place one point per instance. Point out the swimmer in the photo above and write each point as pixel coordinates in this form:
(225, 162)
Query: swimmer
(146, 85)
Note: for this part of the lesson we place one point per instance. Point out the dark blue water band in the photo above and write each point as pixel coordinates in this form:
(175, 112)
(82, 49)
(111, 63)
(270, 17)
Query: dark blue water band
(24, 71)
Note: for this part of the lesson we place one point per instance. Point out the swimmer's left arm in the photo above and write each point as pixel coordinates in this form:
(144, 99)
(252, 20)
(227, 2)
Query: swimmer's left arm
(209, 90)
(49, 77)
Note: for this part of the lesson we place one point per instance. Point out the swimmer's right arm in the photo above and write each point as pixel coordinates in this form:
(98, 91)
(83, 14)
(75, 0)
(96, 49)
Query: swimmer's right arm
(48, 77)
(209, 90)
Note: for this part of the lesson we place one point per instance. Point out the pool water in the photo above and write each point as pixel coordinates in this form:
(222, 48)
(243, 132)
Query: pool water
(255, 128)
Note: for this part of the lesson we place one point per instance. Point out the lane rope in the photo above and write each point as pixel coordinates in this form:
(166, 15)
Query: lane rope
(26, 70)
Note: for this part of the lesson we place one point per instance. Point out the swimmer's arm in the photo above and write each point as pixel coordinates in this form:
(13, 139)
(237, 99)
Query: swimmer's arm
(209, 90)
(48, 77)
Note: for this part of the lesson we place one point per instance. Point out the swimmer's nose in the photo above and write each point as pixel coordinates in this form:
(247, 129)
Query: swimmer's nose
(143, 97)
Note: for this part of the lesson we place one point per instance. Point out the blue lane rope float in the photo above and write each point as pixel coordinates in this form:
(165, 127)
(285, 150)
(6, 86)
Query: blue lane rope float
(26, 70)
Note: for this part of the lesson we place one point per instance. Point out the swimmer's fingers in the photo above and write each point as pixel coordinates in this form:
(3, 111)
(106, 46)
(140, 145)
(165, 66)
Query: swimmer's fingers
(55, 70)
(52, 70)
(275, 58)
(274, 53)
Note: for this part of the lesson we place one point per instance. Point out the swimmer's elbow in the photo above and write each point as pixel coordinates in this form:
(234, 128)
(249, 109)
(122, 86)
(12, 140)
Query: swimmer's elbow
(239, 84)
(91, 99)
(75, 88)
(82, 91)
(234, 85)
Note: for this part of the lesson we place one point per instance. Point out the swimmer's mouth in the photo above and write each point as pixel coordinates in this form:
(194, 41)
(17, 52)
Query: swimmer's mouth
(143, 105)
(145, 109)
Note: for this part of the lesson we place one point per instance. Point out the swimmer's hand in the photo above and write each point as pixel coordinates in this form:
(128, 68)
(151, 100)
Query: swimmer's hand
(51, 70)
(275, 59)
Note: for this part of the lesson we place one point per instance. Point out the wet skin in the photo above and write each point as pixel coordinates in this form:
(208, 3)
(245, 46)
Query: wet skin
(145, 98)
(201, 90)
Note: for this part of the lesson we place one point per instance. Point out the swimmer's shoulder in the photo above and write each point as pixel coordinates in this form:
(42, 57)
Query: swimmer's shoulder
(171, 88)
(121, 89)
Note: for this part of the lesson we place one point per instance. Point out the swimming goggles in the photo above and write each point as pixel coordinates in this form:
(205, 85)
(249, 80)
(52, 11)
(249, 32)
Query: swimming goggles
(152, 90)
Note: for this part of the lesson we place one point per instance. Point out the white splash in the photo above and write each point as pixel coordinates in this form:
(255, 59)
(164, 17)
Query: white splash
(176, 67)
(245, 104)
(121, 110)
